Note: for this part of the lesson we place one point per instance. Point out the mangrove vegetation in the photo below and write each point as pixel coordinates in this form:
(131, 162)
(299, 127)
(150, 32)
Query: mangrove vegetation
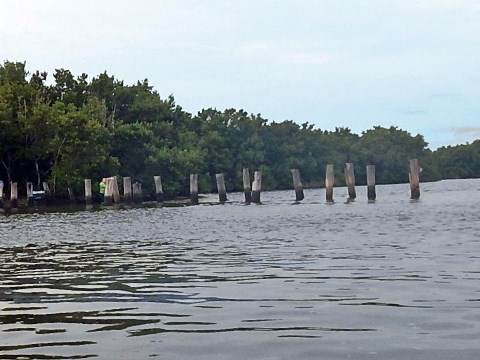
(71, 127)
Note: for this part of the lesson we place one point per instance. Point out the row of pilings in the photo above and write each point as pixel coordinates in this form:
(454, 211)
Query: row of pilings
(132, 192)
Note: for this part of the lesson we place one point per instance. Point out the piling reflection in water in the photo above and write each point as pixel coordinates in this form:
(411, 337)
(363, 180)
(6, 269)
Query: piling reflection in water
(392, 280)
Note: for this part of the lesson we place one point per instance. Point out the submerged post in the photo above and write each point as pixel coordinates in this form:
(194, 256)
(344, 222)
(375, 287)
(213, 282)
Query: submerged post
(350, 181)
(88, 191)
(127, 189)
(194, 189)
(13, 195)
(137, 193)
(256, 187)
(108, 196)
(414, 177)
(297, 185)
(371, 194)
(222, 190)
(329, 180)
(29, 193)
(158, 188)
(247, 188)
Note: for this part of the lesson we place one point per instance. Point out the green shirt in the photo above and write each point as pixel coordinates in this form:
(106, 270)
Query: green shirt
(102, 186)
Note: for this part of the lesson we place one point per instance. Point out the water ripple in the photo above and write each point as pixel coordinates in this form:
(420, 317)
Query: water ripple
(340, 281)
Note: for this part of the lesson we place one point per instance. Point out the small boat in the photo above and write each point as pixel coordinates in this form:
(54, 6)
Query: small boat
(38, 195)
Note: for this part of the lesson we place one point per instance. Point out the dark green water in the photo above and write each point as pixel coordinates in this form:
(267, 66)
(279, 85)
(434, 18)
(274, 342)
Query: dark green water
(390, 280)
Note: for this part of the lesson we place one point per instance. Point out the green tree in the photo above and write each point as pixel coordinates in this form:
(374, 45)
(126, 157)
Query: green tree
(80, 146)
(389, 149)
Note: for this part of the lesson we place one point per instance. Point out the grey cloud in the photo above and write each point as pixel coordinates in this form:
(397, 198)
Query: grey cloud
(473, 130)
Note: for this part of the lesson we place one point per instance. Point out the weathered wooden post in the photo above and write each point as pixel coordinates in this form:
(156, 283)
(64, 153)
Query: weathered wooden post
(115, 191)
(247, 187)
(137, 193)
(297, 185)
(88, 191)
(329, 180)
(414, 177)
(371, 194)
(194, 189)
(127, 189)
(256, 187)
(158, 188)
(222, 190)
(350, 181)
(29, 193)
(13, 195)
(108, 196)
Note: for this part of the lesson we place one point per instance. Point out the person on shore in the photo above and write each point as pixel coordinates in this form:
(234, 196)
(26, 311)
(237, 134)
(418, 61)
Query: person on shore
(102, 186)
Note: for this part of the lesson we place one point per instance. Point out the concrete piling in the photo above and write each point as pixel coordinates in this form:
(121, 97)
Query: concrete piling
(371, 193)
(158, 188)
(88, 191)
(71, 195)
(29, 193)
(297, 185)
(1, 194)
(414, 177)
(127, 190)
(137, 193)
(13, 195)
(222, 190)
(48, 193)
(350, 181)
(115, 190)
(194, 189)
(252, 190)
(247, 188)
(329, 181)
(108, 196)
(256, 187)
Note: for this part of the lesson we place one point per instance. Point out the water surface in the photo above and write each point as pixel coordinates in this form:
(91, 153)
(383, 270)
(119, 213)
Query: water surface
(391, 280)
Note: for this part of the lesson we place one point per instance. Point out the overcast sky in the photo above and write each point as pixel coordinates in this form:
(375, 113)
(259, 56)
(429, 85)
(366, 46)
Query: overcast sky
(357, 64)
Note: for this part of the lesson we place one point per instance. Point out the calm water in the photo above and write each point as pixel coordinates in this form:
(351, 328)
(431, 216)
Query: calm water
(390, 280)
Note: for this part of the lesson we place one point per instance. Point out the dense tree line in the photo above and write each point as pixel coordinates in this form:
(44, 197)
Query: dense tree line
(74, 128)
